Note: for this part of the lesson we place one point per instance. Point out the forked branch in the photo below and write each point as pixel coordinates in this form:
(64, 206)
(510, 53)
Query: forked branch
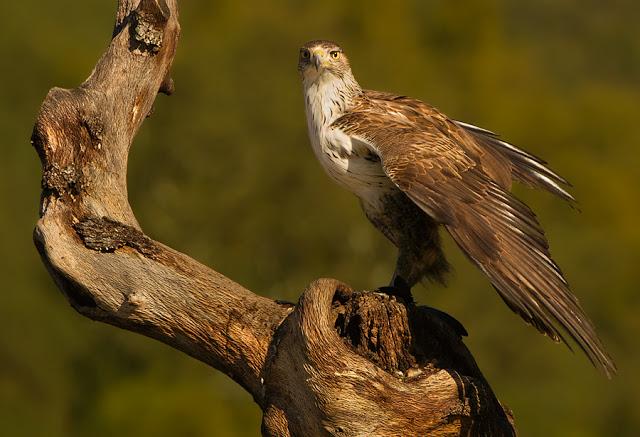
(337, 363)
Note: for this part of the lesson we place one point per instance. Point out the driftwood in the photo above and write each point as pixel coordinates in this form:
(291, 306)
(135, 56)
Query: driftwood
(338, 362)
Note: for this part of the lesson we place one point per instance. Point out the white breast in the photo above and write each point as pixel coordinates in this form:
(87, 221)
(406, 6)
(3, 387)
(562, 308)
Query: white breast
(346, 160)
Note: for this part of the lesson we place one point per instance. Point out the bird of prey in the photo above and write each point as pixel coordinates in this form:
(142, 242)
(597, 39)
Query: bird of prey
(414, 170)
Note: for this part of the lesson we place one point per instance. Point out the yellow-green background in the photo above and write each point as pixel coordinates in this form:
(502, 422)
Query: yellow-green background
(223, 171)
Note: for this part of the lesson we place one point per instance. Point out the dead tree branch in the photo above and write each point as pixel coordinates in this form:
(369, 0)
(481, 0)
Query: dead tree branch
(337, 363)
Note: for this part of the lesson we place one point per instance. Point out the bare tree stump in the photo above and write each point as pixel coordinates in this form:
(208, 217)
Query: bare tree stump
(338, 362)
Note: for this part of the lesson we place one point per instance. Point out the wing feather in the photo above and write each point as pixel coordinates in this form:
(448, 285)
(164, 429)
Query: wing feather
(499, 233)
(525, 167)
(500, 159)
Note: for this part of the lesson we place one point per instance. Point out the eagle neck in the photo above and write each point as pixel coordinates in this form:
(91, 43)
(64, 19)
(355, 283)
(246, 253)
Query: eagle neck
(329, 97)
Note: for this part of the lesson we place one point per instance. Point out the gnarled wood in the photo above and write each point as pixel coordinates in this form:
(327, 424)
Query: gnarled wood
(337, 363)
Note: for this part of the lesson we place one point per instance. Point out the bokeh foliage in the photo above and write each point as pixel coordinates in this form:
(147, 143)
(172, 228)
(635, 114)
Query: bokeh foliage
(223, 171)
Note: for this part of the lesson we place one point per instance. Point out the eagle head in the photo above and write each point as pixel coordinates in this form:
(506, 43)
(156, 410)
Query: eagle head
(320, 57)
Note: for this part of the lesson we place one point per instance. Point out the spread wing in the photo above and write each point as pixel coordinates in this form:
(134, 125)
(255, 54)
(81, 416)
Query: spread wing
(504, 162)
(500, 234)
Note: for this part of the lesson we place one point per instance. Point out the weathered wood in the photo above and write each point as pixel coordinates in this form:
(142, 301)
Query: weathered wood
(395, 370)
(337, 363)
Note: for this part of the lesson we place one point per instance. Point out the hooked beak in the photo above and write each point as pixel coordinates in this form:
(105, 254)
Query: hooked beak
(315, 59)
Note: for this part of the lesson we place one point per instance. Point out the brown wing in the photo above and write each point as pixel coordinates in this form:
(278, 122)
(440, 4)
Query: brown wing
(500, 159)
(425, 116)
(500, 234)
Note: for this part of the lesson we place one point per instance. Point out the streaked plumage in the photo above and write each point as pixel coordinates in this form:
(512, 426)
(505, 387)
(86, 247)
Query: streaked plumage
(415, 169)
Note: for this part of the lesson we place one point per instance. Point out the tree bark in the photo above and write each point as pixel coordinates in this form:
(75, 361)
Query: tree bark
(338, 362)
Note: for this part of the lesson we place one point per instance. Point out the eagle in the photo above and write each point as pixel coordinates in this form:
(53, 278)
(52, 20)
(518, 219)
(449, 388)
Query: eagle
(414, 170)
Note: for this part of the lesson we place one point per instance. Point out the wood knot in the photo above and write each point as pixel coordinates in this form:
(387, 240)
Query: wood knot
(95, 129)
(107, 235)
(58, 181)
(148, 23)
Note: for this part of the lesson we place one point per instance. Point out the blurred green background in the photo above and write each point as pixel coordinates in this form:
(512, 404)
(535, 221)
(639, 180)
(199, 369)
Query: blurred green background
(223, 171)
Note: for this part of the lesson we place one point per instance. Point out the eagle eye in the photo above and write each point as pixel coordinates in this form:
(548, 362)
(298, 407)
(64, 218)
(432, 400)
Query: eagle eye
(335, 54)
(305, 54)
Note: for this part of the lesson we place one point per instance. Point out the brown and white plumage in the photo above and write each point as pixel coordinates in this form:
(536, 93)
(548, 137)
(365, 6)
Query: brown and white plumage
(415, 169)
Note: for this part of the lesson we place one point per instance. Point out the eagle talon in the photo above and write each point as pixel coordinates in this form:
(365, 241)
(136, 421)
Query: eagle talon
(398, 288)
